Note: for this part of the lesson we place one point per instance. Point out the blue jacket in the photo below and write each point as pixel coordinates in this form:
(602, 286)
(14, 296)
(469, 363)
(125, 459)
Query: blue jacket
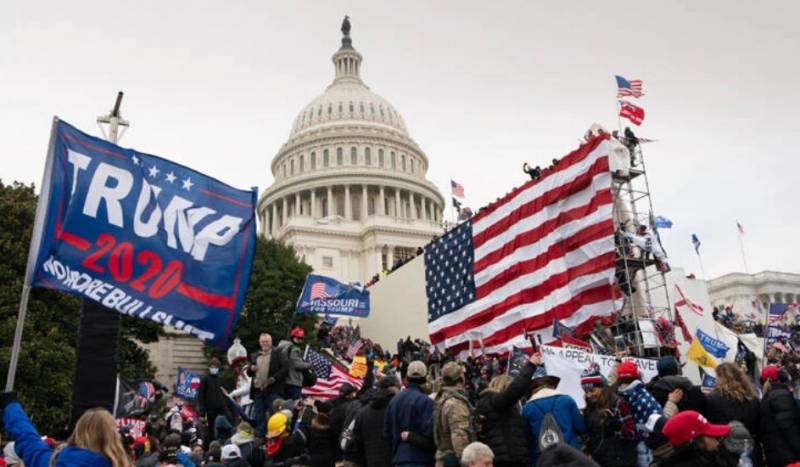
(36, 453)
(412, 411)
(565, 411)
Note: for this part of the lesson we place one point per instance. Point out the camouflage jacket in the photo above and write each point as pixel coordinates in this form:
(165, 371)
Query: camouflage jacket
(453, 426)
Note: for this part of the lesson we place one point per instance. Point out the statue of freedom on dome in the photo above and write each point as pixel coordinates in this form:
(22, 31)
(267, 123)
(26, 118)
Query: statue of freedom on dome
(346, 26)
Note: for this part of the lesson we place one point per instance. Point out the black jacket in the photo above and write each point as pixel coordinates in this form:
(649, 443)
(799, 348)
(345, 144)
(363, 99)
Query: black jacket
(695, 458)
(780, 427)
(291, 450)
(722, 410)
(502, 427)
(693, 397)
(278, 369)
(605, 446)
(371, 444)
(210, 398)
(322, 444)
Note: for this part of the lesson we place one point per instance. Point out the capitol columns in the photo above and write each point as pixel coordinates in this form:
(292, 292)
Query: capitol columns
(413, 205)
(284, 212)
(329, 202)
(297, 207)
(364, 204)
(382, 202)
(424, 205)
(348, 207)
(313, 203)
(274, 228)
(397, 202)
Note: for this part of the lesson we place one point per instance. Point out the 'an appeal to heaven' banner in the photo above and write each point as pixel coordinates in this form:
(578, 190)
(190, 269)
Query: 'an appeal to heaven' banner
(144, 236)
(326, 296)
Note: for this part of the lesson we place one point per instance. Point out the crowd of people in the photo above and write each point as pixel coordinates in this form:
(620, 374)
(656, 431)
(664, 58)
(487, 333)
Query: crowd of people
(419, 407)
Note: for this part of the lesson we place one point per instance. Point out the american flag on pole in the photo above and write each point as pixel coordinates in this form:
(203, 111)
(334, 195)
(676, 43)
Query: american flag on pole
(739, 226)
(330, 376)
(543, 252)
(457, 189)
(684, 301)
(626, 87)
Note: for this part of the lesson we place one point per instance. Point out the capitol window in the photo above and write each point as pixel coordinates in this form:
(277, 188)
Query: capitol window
(403, 163)
(394, 160)
(326, 159)
(291, 167)
(302, 163)
(361, 107)
(313, 158)
(340, 107)
(380, 157)
(339, 156)
(330, 109)
(412, 166)
(372, 109)
(327, 261)
(353, 156)
(351, 107)
(367, 156)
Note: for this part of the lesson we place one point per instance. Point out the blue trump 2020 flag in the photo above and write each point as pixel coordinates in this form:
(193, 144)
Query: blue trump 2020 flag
(326, 296)
(143, 236)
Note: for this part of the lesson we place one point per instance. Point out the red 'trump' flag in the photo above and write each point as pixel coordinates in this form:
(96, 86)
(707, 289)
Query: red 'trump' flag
(634, 113)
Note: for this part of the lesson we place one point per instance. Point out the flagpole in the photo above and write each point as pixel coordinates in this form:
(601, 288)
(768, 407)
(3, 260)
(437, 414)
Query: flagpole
(702, 269)
(744, 258)
(33, 253)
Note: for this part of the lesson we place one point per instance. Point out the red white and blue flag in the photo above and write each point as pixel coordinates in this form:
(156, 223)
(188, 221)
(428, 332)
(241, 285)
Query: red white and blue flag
(627, 88)
(330, 376)
(326, 296)
(142, 235)
(543, 252)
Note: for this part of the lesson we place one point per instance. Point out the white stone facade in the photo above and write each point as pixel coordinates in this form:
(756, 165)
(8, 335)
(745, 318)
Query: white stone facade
(740, 290)
(350, 192)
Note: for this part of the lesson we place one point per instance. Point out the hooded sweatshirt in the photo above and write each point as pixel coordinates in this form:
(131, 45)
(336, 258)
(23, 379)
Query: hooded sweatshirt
(36, 453)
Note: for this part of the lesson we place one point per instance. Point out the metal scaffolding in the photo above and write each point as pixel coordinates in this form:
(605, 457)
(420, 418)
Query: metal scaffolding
(640, 275)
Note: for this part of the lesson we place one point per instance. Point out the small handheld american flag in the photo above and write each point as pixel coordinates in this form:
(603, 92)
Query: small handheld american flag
(330, 376)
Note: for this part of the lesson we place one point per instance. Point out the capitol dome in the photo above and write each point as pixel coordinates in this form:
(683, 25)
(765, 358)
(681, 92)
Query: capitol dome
(350, 192)
(348, 102)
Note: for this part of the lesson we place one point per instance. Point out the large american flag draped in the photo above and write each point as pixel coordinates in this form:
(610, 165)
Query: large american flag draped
(543, 252)
(330, 376)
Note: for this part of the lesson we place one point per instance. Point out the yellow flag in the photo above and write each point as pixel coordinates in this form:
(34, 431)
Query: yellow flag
(698, 354)
(358, 368)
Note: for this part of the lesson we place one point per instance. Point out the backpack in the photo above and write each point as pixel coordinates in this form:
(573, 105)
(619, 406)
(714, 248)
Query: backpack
(475, 420)
(347, 440)
(549, 431)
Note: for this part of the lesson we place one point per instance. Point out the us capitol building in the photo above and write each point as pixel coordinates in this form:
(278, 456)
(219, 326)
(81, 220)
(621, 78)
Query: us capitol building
(350, 192)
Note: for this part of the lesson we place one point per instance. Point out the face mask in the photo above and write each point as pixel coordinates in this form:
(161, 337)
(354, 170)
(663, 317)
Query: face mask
(213, 370)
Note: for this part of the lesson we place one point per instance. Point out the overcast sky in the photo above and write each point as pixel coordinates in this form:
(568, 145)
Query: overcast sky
(482, 86)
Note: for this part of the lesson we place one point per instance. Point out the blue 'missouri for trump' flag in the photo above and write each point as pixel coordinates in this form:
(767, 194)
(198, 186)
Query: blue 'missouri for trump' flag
(326, 296)
(142, 235)
(542, 253)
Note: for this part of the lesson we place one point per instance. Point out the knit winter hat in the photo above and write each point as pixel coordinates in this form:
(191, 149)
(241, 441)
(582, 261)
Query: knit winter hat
(667, 366)
(592, 378)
